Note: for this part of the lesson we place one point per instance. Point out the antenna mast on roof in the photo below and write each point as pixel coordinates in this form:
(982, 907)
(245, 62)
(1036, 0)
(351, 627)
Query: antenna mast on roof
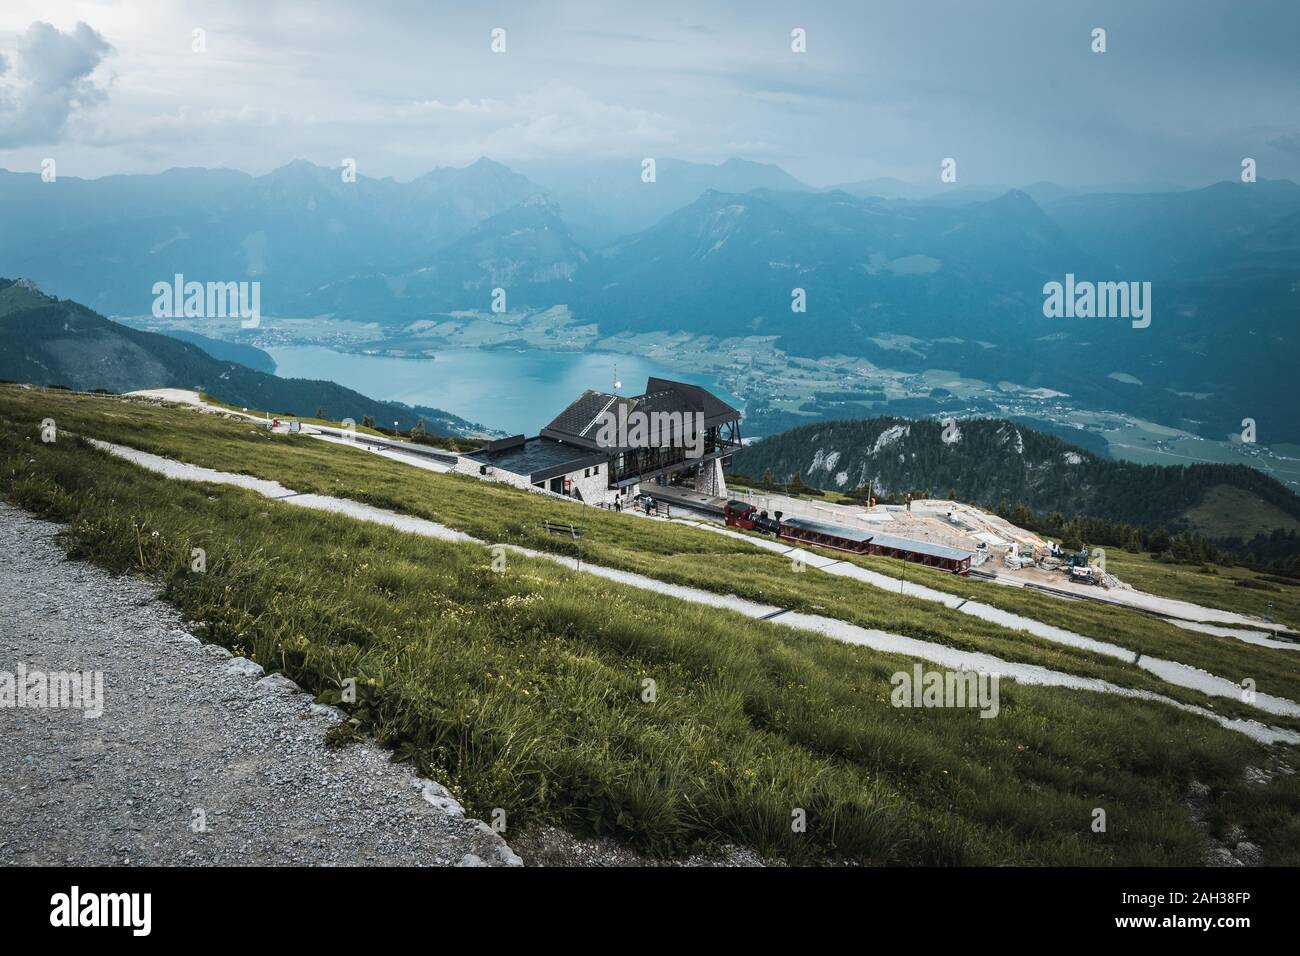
(617, 383)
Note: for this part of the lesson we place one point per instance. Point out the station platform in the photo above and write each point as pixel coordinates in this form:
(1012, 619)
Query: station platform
(686, 498)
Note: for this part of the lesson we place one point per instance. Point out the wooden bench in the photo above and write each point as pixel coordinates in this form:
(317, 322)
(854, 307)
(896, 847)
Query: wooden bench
(568, 529)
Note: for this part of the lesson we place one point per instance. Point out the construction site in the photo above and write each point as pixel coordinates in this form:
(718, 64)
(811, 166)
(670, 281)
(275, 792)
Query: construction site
(997, 547)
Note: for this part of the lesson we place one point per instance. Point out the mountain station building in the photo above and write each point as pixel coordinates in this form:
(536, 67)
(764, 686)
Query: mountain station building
(575, 456)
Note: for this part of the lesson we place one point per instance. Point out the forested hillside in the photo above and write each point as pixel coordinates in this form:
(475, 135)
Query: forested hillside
(49, 341)
(991, 461)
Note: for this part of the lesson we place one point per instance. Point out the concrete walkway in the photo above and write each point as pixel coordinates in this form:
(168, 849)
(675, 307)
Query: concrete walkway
(1182, 675)
(940, 654)
(1138, 600)
(1242, 634)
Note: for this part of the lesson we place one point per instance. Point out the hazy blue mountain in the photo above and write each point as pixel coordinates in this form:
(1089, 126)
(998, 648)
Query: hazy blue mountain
(602, 200)
(106, 242)
(885, 187)
(247, 355)
(1041, 192)
(917, 285)
(1148, 235)
(526, 250)
(868, 266)
(49, 341)
(952, 280)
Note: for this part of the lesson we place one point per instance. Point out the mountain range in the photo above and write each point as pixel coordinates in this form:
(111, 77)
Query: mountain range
(101, 241)
(947, 279)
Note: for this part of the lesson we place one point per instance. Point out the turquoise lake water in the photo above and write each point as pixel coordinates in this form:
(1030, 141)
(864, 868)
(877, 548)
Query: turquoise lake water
(514, 391)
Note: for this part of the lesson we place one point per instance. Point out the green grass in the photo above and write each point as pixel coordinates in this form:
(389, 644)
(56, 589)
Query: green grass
(284, 416)
(1228, 512)
(1225, 657)
(522, 690)
(447, 442)
(1209, 585)
(495, 512)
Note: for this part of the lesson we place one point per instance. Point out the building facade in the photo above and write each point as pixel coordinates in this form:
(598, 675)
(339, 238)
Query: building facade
(602, 448)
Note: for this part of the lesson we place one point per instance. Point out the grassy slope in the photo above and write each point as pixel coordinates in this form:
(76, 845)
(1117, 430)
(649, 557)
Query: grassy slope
(1153, 637)
(522, 690)
(676, 554)
(1213, 587)
(438, 441)
(1228, 512)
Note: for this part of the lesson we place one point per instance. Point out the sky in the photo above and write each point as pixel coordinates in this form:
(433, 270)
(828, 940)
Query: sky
(1011, 90)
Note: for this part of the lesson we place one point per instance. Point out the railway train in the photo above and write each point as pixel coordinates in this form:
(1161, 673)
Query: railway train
(823, 534)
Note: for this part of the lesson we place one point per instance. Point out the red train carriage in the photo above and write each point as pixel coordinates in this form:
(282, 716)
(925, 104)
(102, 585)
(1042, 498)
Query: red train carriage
(823, 534)
(922, 552)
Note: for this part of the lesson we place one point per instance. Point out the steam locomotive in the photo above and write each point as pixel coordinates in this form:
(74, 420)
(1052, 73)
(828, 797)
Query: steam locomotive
(738, 514)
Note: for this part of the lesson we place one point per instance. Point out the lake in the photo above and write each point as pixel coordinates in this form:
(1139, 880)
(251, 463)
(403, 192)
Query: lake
(514, 391)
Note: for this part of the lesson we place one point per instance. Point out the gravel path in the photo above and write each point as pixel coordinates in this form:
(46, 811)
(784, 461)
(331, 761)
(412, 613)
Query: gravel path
(188, 735)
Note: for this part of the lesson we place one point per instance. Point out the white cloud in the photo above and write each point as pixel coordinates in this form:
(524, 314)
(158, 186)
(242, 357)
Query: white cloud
(881, 91)
(559, 120)
(51, 81)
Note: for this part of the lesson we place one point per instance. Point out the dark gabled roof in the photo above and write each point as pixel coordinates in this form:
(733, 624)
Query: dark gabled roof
(665, 395)
(579, 423)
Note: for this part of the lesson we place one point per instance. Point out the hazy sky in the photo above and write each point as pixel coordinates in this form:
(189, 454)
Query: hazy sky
(1011, 90)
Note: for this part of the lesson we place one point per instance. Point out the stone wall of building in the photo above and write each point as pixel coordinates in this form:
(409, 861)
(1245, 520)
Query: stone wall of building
(468, 466)
(709, 479)
(594, 488)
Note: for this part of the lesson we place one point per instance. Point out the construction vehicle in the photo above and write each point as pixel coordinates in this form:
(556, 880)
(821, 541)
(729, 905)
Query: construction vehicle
(1076, 565)
(1077, 560)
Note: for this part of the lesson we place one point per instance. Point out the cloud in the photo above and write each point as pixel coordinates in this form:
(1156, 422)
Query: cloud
(1286, 143)
(557, 119)
(50, 82)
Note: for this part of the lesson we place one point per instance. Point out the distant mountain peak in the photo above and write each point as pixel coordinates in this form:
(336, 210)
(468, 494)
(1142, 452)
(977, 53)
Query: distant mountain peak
(1014, 198)
(25, 285)
(297, 166)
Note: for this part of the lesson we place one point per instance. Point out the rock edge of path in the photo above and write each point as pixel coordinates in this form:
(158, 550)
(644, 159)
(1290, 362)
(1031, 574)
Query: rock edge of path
(199, 757)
